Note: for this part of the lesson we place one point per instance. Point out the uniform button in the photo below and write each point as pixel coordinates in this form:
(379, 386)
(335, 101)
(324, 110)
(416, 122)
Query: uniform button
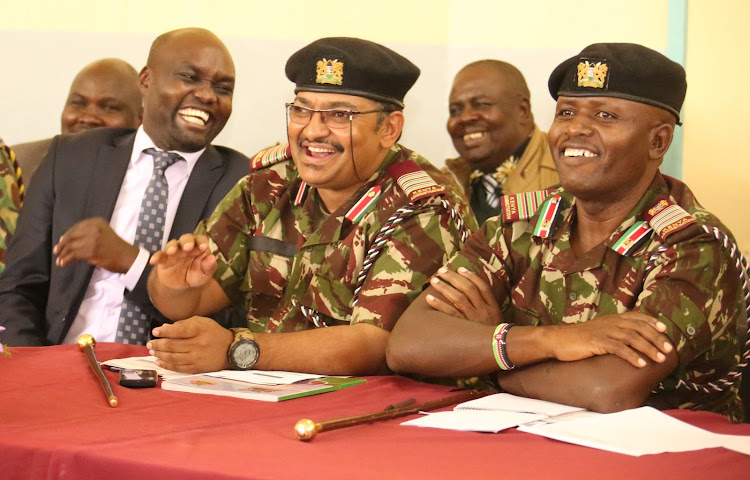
(690, 330)
(572, 296)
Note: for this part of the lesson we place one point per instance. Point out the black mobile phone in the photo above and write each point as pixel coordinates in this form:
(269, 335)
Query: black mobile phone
(133, 378)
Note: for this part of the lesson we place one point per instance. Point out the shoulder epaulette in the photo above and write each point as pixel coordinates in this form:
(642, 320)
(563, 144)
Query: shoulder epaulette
(666, 217)
(522, 206)
(270, 156)
(414, 181)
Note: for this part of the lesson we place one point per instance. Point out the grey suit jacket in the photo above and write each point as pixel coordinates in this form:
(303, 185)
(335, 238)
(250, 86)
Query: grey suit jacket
(80, 178)
(29, 156)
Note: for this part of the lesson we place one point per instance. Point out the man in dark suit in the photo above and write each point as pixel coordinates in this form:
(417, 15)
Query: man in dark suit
(78, 261)
(105, 93)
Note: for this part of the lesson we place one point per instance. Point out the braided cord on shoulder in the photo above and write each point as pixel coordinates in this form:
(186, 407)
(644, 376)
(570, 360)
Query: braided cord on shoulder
(387, 230)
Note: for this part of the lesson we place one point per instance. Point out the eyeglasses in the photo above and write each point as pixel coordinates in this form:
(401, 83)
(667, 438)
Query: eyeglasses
(332, 118)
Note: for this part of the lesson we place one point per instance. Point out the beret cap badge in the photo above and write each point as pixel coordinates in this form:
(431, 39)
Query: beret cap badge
(622, 70)
(330, 72)
(592, 73)
(372, 70)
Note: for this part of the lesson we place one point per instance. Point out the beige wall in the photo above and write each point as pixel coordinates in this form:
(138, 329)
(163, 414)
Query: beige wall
(716, 163)
(44, 42)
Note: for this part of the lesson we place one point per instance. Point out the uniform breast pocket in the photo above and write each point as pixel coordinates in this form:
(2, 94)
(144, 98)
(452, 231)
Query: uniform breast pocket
(269, 266)
(328, 297)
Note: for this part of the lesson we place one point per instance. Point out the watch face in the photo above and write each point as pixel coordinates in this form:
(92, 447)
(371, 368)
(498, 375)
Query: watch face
(245, 354)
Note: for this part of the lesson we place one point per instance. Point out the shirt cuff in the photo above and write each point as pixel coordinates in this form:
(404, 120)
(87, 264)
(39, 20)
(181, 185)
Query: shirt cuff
(136, 269)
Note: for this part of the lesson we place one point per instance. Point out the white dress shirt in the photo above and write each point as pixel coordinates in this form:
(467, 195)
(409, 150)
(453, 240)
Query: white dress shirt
(99, 312)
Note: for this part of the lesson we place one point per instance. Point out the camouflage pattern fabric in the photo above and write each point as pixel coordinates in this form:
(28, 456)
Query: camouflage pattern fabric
(280, 254)
(10, 198)
(693, 288)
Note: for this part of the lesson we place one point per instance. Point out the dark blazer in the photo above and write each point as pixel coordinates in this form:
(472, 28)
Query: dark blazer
(80, 178)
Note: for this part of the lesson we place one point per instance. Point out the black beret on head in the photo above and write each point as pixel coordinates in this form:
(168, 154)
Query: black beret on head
(352, 66)
(622, 70)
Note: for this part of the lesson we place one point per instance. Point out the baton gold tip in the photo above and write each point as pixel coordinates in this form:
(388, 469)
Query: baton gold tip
(85, 340)
(306, 429)
(113, 402)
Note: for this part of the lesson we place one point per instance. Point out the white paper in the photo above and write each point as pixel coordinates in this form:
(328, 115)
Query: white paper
(473, 420)
(270, 377)
(507, 402)
(738, 443)
(640, 431)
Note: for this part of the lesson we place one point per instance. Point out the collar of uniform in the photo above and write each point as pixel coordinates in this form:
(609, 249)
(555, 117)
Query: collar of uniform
(337, 225)
(657, 189)
(561, 216)
(566, 262)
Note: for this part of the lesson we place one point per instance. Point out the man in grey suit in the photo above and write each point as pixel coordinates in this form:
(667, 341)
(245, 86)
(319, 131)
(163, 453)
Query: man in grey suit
(79, 259)
(104, 94)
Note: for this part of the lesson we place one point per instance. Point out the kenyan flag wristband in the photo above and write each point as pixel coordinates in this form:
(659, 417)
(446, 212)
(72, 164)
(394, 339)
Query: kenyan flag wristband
(498, 347)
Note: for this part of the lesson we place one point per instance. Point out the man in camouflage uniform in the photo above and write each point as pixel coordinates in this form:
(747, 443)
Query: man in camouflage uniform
(638, 300)
(11, 195)
(328, 240)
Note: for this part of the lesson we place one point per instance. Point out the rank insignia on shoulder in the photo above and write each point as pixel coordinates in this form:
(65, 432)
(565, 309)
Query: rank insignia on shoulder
(414, 181)
(521, 206)
(364, 204)
(666, 217)
(632, 238)
(270, 156)
(547, 221)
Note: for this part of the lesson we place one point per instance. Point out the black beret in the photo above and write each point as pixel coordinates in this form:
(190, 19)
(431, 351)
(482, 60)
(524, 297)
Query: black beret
(622, 70)
(352, 66)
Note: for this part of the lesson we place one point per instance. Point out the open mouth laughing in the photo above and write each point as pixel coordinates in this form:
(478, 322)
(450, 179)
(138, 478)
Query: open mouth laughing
(578, 152)
(194, 116)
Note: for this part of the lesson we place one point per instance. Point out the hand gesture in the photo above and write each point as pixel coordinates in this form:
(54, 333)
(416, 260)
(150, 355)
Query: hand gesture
(185, 263)
(629, 335)
(195, 345)
(465, 295)
(93, 241)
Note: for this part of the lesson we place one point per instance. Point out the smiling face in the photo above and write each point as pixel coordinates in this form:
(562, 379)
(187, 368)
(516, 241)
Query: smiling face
(323, 155)
(187, 89)
(490, 115)
(104, 94)
(608, 149)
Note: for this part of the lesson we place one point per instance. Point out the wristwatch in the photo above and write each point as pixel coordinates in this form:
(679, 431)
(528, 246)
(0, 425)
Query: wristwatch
(244, 352)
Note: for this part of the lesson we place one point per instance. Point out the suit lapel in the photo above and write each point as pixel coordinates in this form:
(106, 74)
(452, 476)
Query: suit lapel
(200, 185)
(109, 170)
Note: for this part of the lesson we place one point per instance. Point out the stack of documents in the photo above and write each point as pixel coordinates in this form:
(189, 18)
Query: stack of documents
(269, 386)
(494, 413)
(636, 432)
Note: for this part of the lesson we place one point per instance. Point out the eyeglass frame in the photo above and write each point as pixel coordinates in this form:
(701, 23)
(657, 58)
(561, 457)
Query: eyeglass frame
(323, 117)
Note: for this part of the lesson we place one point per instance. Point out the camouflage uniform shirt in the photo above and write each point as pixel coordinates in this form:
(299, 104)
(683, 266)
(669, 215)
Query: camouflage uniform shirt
(294, 266)
(11, 189)
(692, 285)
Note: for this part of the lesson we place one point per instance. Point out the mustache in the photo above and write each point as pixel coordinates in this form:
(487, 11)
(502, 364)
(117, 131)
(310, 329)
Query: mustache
(336, 145)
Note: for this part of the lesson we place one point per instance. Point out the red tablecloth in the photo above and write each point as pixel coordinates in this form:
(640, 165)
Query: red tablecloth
(55, 423)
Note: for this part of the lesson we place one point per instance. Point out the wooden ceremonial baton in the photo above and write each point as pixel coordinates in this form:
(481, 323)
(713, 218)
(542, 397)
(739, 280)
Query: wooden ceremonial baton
(86, 343)
(306, 429)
